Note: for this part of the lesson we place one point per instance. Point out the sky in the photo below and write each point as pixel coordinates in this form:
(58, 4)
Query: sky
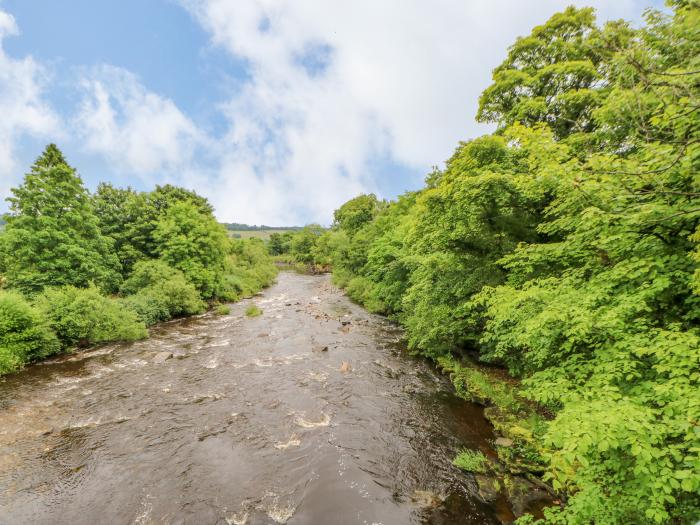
(276, 111)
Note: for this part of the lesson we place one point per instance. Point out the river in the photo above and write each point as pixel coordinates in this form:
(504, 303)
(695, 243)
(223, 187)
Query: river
(311, 413)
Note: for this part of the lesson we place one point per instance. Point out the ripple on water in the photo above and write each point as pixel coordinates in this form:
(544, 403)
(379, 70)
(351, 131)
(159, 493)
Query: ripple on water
(293, 441)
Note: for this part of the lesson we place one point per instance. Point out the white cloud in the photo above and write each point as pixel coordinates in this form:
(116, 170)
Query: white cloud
(401, 79)
(331, 87)
(23, 109)
(134, 128)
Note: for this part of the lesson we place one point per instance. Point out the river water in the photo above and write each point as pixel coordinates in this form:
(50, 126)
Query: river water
(250, 421)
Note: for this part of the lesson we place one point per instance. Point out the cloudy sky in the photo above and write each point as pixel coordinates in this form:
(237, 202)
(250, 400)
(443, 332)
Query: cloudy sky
(277, 111)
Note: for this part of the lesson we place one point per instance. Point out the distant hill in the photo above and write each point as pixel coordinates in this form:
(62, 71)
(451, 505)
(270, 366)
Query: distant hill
(246, 231)
(235, 226)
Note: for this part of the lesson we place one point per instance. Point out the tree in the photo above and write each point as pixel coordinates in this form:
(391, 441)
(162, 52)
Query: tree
(279, 243)
(125, 216)
(194, 243)
(556, 75)
(357, 212)
(304, 241)
(52, 235)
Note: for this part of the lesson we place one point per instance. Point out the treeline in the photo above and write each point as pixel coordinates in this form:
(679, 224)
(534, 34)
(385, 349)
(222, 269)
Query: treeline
(304, 246)
(236, 226)
(78, 269)
(564, 248)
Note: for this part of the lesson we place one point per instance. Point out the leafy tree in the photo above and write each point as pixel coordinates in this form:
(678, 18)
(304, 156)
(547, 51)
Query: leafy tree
(130, 218)
(194, 243)
(303, 243)
(357, 212)
(163, 197)
(52, 235)
(280, 243)
(556, 75)
(125, 216)
(248, 269)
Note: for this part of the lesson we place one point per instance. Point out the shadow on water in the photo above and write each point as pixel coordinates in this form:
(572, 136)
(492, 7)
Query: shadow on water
(310, 413)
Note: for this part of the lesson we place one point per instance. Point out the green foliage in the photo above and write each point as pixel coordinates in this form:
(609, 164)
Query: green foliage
(158, 292)
(357, 212)
(253, 311)
(125, 216)
(194, 243)
(565, 249)
(222, 309)
(304, 242)
(24, 335)
(471, 461)
(131, 218)
(52, 235)
(249, 268)
(280, 243)
(82, 317)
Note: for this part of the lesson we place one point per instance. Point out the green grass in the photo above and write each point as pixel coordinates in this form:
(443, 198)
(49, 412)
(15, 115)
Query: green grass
(253, 311)
(471, 461)
(222, 309)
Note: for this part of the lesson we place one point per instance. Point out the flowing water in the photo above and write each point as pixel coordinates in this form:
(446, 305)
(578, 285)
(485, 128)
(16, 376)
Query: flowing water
(252, 420)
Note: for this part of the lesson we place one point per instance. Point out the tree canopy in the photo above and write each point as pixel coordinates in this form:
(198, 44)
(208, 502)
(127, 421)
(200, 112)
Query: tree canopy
(52, 236)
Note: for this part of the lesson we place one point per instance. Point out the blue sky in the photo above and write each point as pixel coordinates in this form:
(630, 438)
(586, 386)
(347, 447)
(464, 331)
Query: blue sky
(276, 111)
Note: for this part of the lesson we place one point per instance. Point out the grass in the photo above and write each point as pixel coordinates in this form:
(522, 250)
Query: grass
(253, 311)
(222, 309)
(471, 461)
(507, 410)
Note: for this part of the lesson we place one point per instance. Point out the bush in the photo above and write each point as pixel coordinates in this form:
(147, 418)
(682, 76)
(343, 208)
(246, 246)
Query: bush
(222, 309)
(150, 308)
(148, 273)
(158, 292)
(81, 317)
(24, 336)
(249, 268)
(253, 311)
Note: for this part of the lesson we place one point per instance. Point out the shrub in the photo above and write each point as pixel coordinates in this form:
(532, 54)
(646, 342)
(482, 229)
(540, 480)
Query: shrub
(81, 317)
(24, 336)
(222, 309)
(148, 273)
(253, 311)
(471, 461)
(158, 292)
(249, 268)
(150, 308)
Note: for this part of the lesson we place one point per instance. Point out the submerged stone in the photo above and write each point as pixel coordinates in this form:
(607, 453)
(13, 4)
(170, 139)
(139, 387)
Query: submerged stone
(162, 357)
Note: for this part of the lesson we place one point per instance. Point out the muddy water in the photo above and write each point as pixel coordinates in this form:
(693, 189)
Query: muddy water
(250, 421)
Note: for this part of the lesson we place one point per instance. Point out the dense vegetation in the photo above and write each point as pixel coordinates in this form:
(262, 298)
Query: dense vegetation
(78, 269)
(564, 248)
